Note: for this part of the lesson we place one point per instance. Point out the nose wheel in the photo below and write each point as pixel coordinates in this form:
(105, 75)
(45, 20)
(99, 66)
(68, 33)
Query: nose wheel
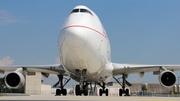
(82, 88)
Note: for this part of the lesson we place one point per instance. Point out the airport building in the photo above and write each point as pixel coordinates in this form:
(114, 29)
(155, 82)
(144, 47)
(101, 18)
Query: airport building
(138, 87)
(34, 86)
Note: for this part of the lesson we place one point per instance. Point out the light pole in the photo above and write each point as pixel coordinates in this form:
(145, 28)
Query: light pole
(178, 85)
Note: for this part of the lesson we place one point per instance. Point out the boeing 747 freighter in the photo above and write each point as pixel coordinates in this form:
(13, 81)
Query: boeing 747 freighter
(85, 56)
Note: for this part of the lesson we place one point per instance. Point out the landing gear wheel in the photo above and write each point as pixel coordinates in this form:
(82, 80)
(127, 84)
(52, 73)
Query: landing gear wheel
(85, 90)
(106, 92)
(127, 92)
(120, 92)
(100, 92)
(61, 90)
(123, 85)
(58, 92)
(77, 90)
(64, 92)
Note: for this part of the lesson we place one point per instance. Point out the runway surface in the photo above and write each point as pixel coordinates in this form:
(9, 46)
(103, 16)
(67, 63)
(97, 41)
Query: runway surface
(84, 98)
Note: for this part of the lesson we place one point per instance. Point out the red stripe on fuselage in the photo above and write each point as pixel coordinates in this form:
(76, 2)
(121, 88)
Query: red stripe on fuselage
(87, 28)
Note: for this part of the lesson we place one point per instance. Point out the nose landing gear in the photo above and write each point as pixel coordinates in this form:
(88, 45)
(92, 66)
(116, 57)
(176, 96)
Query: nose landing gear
(82, 88)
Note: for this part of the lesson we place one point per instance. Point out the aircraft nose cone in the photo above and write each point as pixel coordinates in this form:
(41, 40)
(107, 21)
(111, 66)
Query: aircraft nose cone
(76, 37)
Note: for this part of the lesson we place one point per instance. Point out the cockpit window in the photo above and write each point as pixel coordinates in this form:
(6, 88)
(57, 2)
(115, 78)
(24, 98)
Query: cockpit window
(75, 11)
(85, 11)
(81, 10)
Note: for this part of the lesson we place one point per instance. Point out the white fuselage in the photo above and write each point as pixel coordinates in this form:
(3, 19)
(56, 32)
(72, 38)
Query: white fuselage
(83, 44)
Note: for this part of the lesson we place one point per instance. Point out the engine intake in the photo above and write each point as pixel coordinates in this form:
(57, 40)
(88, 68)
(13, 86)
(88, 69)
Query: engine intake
(14, 80)
(167, 78)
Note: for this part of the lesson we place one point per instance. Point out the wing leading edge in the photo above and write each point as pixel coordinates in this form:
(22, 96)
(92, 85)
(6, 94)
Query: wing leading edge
(49, 69)
(120, 69)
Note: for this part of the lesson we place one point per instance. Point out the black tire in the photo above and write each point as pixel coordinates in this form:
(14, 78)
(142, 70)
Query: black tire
(64, 92)
(77, 90)
(127, 92)
(120, 92)
(85, 90)
(107, 91)
(100, 92)
(58, 92)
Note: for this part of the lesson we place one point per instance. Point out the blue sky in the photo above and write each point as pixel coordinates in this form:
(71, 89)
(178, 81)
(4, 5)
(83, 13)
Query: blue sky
(142, 32)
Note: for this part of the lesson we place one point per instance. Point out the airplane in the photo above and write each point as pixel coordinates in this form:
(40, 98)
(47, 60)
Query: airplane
(85, 56)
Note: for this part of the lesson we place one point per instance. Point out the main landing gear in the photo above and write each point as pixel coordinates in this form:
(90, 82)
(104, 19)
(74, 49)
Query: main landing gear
(103, 90)
(61, 90)
(124, 82)
(82, 88)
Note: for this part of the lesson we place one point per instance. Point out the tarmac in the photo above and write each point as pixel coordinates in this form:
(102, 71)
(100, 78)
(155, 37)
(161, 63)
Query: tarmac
(84, 98)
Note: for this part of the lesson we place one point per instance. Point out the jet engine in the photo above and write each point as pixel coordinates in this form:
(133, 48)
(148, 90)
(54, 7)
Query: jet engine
(167, 78)
(14, 80)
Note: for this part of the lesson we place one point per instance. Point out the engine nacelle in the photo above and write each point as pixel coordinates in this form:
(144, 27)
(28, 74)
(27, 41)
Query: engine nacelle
(167, 78)
(14, 80)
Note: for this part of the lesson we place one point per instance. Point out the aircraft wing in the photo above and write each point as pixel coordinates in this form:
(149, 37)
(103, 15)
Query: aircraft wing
(49, 69)
(135, 68)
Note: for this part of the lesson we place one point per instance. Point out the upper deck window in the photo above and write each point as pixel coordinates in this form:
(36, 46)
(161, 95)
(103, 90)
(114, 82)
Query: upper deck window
(75, 11)
(85, 11)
